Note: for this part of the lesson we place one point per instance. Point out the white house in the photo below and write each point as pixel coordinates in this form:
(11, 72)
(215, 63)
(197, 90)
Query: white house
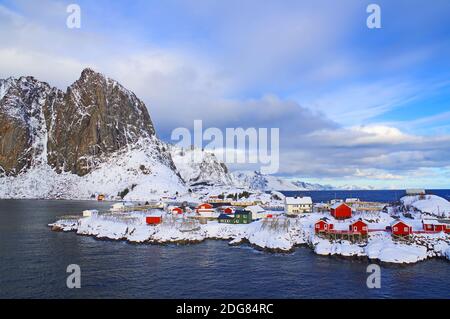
(352, 200)
(415, 192)
(122, 206)
(297, 205)
(257, 211)
(334, 201)
(90, 212)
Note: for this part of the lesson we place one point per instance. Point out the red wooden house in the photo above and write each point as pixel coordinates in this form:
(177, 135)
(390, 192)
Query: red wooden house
(323, 226)
(177, 210)
(228, 211)
(434, 225)
(359, 227)
(153, 220)
(400, 228)
(204, 208)
(341, 211)
(427, 226)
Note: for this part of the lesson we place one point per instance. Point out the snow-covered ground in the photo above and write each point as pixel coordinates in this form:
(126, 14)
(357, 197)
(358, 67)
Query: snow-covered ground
(282, 236)
(199, 166)
(430, 204)
(137, 170)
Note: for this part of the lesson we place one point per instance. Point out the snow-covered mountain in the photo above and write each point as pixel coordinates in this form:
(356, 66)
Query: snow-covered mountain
(67, 130)
(197, 166)
(97, 137)
(313, 186)
(135, 173)
(254, 180)
(355, 188)
(257, 181)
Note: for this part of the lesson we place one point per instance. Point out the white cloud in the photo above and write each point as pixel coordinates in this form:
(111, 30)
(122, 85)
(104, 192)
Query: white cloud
(363, 135)
(376, 174)
(358, 103)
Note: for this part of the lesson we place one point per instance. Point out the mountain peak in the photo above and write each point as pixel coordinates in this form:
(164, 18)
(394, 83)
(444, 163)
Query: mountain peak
(70, 131)
(88, 72)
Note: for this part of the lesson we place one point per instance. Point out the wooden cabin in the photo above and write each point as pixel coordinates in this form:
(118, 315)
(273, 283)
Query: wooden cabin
(435, 225)
(153, 220)
(177, 211)
(205, 207)
(228, 210)
(359, 227)
(341, 211)
(297, 205)
(242, 217)
(225, 219)
(400, 228)
(323, 226)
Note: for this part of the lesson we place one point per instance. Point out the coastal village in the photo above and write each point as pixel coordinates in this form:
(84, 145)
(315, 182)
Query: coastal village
(413, 229)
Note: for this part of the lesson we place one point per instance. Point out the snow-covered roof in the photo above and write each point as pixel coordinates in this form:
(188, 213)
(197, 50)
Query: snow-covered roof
(336, 205)
(352, 200)
(242, 212)
(358, 220)
(122, 204)
(155, 214)
(255, 209)
(323, 220)
(306, 200)
(431, 221)
(92, 211)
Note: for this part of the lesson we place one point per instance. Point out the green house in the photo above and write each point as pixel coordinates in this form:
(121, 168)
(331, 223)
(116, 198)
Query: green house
(242, 217)
(225, 219)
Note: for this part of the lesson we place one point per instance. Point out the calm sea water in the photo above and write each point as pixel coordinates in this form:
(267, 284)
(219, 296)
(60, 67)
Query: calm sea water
(33, 263)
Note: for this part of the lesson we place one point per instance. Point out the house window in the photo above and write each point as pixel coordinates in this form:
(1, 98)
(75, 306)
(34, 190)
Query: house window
(325, 226)
(395, 228)
(406, 229)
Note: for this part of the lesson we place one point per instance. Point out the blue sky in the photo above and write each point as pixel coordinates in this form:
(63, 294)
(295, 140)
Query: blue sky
(354, 105)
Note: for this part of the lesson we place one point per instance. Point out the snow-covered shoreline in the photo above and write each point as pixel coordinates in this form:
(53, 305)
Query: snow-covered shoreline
(299, 231)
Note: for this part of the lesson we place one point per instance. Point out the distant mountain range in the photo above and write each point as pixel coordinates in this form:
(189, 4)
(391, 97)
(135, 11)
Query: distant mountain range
(97, 137)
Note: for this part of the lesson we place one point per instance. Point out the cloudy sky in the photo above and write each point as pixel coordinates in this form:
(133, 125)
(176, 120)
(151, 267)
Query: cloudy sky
(354, 105)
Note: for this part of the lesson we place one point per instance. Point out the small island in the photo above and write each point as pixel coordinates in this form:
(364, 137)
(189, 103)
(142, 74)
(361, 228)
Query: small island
(414, 229)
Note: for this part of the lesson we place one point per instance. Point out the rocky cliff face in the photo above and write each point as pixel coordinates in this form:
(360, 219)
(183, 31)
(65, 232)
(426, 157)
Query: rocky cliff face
(72, 130)
(98, 138)
(21, 118)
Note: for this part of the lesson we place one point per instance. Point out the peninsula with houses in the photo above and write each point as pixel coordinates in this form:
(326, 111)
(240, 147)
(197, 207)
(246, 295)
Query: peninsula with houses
(412, 230)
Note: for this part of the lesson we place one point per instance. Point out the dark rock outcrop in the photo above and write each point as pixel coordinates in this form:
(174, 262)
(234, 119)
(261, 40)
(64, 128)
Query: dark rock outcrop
(68, 130)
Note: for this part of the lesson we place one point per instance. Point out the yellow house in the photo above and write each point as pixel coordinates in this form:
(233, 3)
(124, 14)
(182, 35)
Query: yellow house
(298, 205)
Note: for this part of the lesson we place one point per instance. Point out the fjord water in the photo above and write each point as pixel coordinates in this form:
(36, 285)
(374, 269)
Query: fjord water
(33, 262)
